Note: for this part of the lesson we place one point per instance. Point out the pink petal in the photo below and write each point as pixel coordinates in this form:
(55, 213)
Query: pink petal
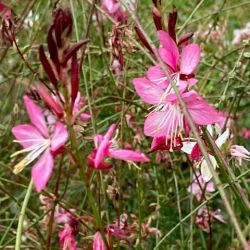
(167, 57)
(98, 243)
(190, 58)
(191, 82)
(36, 116)
(148, 91)
(97, 140)
(101, 152)
(59, 136)
(42, 170)
(156, 75)
(84, 117)
(161, 123)
(67, 240)
(201, 112)
(110, 132)
(128, 155)
(169, 53)
(27, 133)
(101, 166)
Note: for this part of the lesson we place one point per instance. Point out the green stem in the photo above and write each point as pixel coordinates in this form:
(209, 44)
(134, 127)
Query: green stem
(21, 216)
(179, 208)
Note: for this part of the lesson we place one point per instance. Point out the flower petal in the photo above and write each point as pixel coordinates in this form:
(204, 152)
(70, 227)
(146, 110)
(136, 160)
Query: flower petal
(205, 171)
(101, 152)
(190, 58)
(156, 75)
(42, 170)
(160, 123)
(28, 134)
(59, 136)
(188, 146)
(201, 112)
(128, 155)
(169, 53)
(222, 138)
(110, 132)
(36, 116)
(101, 166)
(148, 91)
(98, 243)
(85, 117)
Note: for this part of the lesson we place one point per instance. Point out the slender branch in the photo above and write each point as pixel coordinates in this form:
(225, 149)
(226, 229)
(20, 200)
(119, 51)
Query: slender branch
(21, 216)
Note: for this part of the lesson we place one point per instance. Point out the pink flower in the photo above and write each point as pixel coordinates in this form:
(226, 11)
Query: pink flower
(167, 118)
(67, 240)
(198, 185)
(245, 133)
(205, 217)
(117, 231)
(107, 147)
(241, 34)
(98, 243)
(181, 68)
(40, 142)
(192, 148)
(115, 9)
(71, 228)
(240, 153)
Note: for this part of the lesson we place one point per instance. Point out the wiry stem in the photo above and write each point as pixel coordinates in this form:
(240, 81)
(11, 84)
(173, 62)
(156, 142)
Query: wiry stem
(21, 216)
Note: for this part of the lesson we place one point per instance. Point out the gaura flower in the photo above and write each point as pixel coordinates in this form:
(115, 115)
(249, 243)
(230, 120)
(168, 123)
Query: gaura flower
(245, 133)
(240, 153)
(205, 217)
(105, 147)
(40, 142)
(167, 119)
(71, 228)
(199, 186)
(116, 9)
(192, 148)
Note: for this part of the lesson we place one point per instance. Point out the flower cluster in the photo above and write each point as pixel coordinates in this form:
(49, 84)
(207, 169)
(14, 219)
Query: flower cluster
(166, 122)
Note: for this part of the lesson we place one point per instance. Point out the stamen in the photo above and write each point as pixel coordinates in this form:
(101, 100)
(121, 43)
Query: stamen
(35, 151)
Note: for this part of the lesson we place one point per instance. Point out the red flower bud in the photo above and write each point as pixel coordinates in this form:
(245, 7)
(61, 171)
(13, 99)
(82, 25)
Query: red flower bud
(52, 47)
(62, 25)
(143, 39)
(184, 39)
(48, 100)
(72, 51)
(157, 18)
(74, 79)
(172, 18)
(47, 67)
